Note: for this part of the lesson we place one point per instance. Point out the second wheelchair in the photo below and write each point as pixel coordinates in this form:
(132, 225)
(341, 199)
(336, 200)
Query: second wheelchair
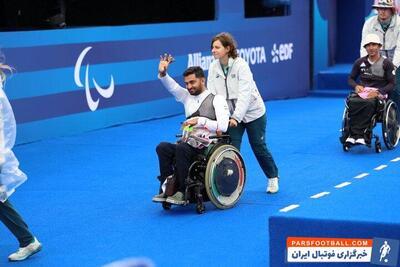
(386, 114)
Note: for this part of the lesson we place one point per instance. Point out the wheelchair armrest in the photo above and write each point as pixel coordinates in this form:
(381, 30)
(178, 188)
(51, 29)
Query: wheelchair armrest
(222, 136)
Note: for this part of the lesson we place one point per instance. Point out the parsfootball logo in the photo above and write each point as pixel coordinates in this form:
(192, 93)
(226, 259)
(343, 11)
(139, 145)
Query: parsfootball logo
(104, 92)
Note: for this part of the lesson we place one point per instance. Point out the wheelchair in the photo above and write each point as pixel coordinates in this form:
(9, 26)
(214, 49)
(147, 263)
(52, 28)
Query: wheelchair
(218, 175)
(386, 113)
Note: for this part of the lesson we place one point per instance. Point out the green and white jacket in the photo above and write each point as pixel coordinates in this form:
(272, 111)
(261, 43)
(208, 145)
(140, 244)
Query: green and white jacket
(390, 39)
(239, 89)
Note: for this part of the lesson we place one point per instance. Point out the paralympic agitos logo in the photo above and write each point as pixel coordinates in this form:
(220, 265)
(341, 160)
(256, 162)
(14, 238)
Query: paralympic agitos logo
(104, 92)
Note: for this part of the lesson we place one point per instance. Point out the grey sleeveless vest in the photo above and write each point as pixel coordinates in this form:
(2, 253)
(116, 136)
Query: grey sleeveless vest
(206, 109)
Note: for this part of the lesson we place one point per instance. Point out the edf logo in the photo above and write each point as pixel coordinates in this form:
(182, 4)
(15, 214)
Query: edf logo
(385, 251)
(282, 52)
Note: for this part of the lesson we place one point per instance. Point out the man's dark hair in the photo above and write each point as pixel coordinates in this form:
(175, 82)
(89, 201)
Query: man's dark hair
(196, 70)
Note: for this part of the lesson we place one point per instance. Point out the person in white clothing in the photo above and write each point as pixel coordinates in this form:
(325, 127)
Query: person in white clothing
(10, 178)
(230, 76)
(386, 25)
(206, 114)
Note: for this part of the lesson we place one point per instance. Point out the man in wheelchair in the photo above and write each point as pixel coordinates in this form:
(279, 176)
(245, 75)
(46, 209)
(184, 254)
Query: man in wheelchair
(376, 80)
(206, 114)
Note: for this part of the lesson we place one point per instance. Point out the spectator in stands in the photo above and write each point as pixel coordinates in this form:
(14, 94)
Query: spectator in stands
(386, 24)
(230, 76)
(11, 177)
(376, 80)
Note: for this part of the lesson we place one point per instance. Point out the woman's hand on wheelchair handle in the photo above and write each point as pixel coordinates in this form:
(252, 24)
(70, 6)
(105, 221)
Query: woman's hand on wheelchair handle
(233, 123)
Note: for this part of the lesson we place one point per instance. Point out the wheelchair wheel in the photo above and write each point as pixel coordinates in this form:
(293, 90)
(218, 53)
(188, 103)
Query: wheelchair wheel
(345, 128)
(390, 125)
(225, 176)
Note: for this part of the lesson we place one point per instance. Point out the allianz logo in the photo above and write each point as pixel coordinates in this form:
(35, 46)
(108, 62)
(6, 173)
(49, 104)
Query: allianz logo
(197, 59)
(282, 52)
(253, 55)
(104, 92)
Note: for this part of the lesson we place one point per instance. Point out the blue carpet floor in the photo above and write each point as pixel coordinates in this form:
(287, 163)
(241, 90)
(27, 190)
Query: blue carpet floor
(88, 197)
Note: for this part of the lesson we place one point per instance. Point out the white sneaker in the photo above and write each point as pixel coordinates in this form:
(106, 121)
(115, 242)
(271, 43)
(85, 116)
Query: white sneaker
(360, 141)
(26, 252)
(178, 199)
(350, 140)
(160, 197)
(273, 185)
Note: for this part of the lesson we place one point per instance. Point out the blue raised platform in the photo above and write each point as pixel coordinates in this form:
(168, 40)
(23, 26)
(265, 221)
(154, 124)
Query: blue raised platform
(366, 208)
(334, 77)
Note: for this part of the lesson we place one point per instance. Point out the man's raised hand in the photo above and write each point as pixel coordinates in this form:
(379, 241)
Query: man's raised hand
(165, 60)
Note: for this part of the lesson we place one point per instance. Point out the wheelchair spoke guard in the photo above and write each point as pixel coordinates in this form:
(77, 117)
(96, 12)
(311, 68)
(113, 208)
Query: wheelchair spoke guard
(225, 176)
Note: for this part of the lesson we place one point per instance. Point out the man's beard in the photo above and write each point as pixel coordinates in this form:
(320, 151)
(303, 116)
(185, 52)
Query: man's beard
(196, 92)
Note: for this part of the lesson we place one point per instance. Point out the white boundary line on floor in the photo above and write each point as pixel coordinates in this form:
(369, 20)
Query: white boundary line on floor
(342, 185)
(380, 167)
(362, 175)
(289, 208)
(319, 195)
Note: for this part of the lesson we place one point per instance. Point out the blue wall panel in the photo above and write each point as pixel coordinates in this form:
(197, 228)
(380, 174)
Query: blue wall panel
(48, 89)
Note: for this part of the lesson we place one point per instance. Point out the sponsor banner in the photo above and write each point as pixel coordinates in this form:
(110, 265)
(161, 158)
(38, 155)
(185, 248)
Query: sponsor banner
(253, 55)
(86, 72)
